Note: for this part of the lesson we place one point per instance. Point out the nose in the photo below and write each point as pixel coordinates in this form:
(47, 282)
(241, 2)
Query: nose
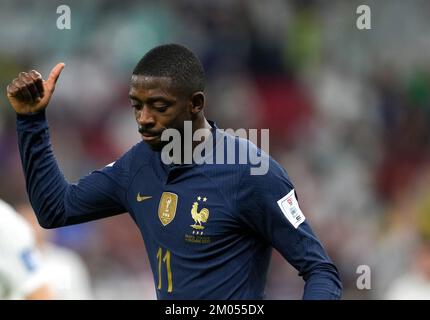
(144, 117)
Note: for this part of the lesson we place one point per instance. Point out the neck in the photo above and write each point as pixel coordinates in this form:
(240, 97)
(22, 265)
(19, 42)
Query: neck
(188, 144)
(201, 123)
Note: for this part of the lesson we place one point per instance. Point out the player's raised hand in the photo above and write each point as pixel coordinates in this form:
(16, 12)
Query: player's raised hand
(29, 93)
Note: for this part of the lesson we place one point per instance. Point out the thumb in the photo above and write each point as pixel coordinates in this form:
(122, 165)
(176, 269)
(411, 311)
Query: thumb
(55, 74)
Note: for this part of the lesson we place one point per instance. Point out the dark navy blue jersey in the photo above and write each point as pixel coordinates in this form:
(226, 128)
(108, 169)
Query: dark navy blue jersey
(208, 228)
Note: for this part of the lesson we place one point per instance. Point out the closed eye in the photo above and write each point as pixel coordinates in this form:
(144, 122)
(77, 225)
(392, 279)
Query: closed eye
(161, 109)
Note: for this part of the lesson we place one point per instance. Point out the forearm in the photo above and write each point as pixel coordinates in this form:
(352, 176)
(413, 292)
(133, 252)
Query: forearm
(322, 283)
(46, 185)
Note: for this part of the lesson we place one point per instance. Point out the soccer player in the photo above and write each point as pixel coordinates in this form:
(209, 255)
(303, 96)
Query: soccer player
(66, 273)
(208, 228)
(21, 275)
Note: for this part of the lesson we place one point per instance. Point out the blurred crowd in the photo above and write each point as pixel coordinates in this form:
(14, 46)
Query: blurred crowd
(348, 112)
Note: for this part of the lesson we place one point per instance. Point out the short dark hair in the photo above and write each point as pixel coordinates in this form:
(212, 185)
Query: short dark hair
(174, 61)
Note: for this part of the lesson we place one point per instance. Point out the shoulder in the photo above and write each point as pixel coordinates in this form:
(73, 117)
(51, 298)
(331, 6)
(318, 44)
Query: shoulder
(241, 159)
(262, 179)
(246, 168)
(14, 230)
(260, 168)
(138, 155)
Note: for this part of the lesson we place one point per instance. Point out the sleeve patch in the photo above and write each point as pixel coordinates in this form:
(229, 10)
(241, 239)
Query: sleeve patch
(291, 210)
(29, 260)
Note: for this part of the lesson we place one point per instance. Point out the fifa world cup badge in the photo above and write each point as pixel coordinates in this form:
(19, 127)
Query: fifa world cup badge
(167, 207)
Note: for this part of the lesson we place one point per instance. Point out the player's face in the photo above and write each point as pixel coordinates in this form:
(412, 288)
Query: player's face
(157, 107)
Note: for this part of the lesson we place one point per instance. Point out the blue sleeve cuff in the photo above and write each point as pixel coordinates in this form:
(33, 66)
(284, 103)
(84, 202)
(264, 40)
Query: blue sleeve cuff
(32, 120)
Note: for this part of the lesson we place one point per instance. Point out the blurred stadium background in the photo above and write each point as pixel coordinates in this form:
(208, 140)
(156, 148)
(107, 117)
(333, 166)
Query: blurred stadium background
(348, 112)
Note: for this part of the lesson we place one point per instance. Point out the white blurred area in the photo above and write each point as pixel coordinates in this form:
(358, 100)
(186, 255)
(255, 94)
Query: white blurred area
(65, 271)
(348, 112)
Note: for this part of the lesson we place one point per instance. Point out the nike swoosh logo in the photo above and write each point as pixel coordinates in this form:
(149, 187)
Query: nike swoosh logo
(140, 198)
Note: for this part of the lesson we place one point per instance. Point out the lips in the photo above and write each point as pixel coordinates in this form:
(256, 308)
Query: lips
(149, 137)
(146, 134)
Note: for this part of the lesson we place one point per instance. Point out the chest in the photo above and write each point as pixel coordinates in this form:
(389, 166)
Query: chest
(191, 211)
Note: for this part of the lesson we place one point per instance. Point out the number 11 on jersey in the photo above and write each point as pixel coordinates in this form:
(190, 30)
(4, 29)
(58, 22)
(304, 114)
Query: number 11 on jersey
(166, 260)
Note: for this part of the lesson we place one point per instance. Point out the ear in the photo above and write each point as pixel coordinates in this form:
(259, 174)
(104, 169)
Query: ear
(197, 102)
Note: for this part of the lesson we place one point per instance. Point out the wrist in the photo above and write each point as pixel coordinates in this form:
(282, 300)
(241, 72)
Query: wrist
(37, 114)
